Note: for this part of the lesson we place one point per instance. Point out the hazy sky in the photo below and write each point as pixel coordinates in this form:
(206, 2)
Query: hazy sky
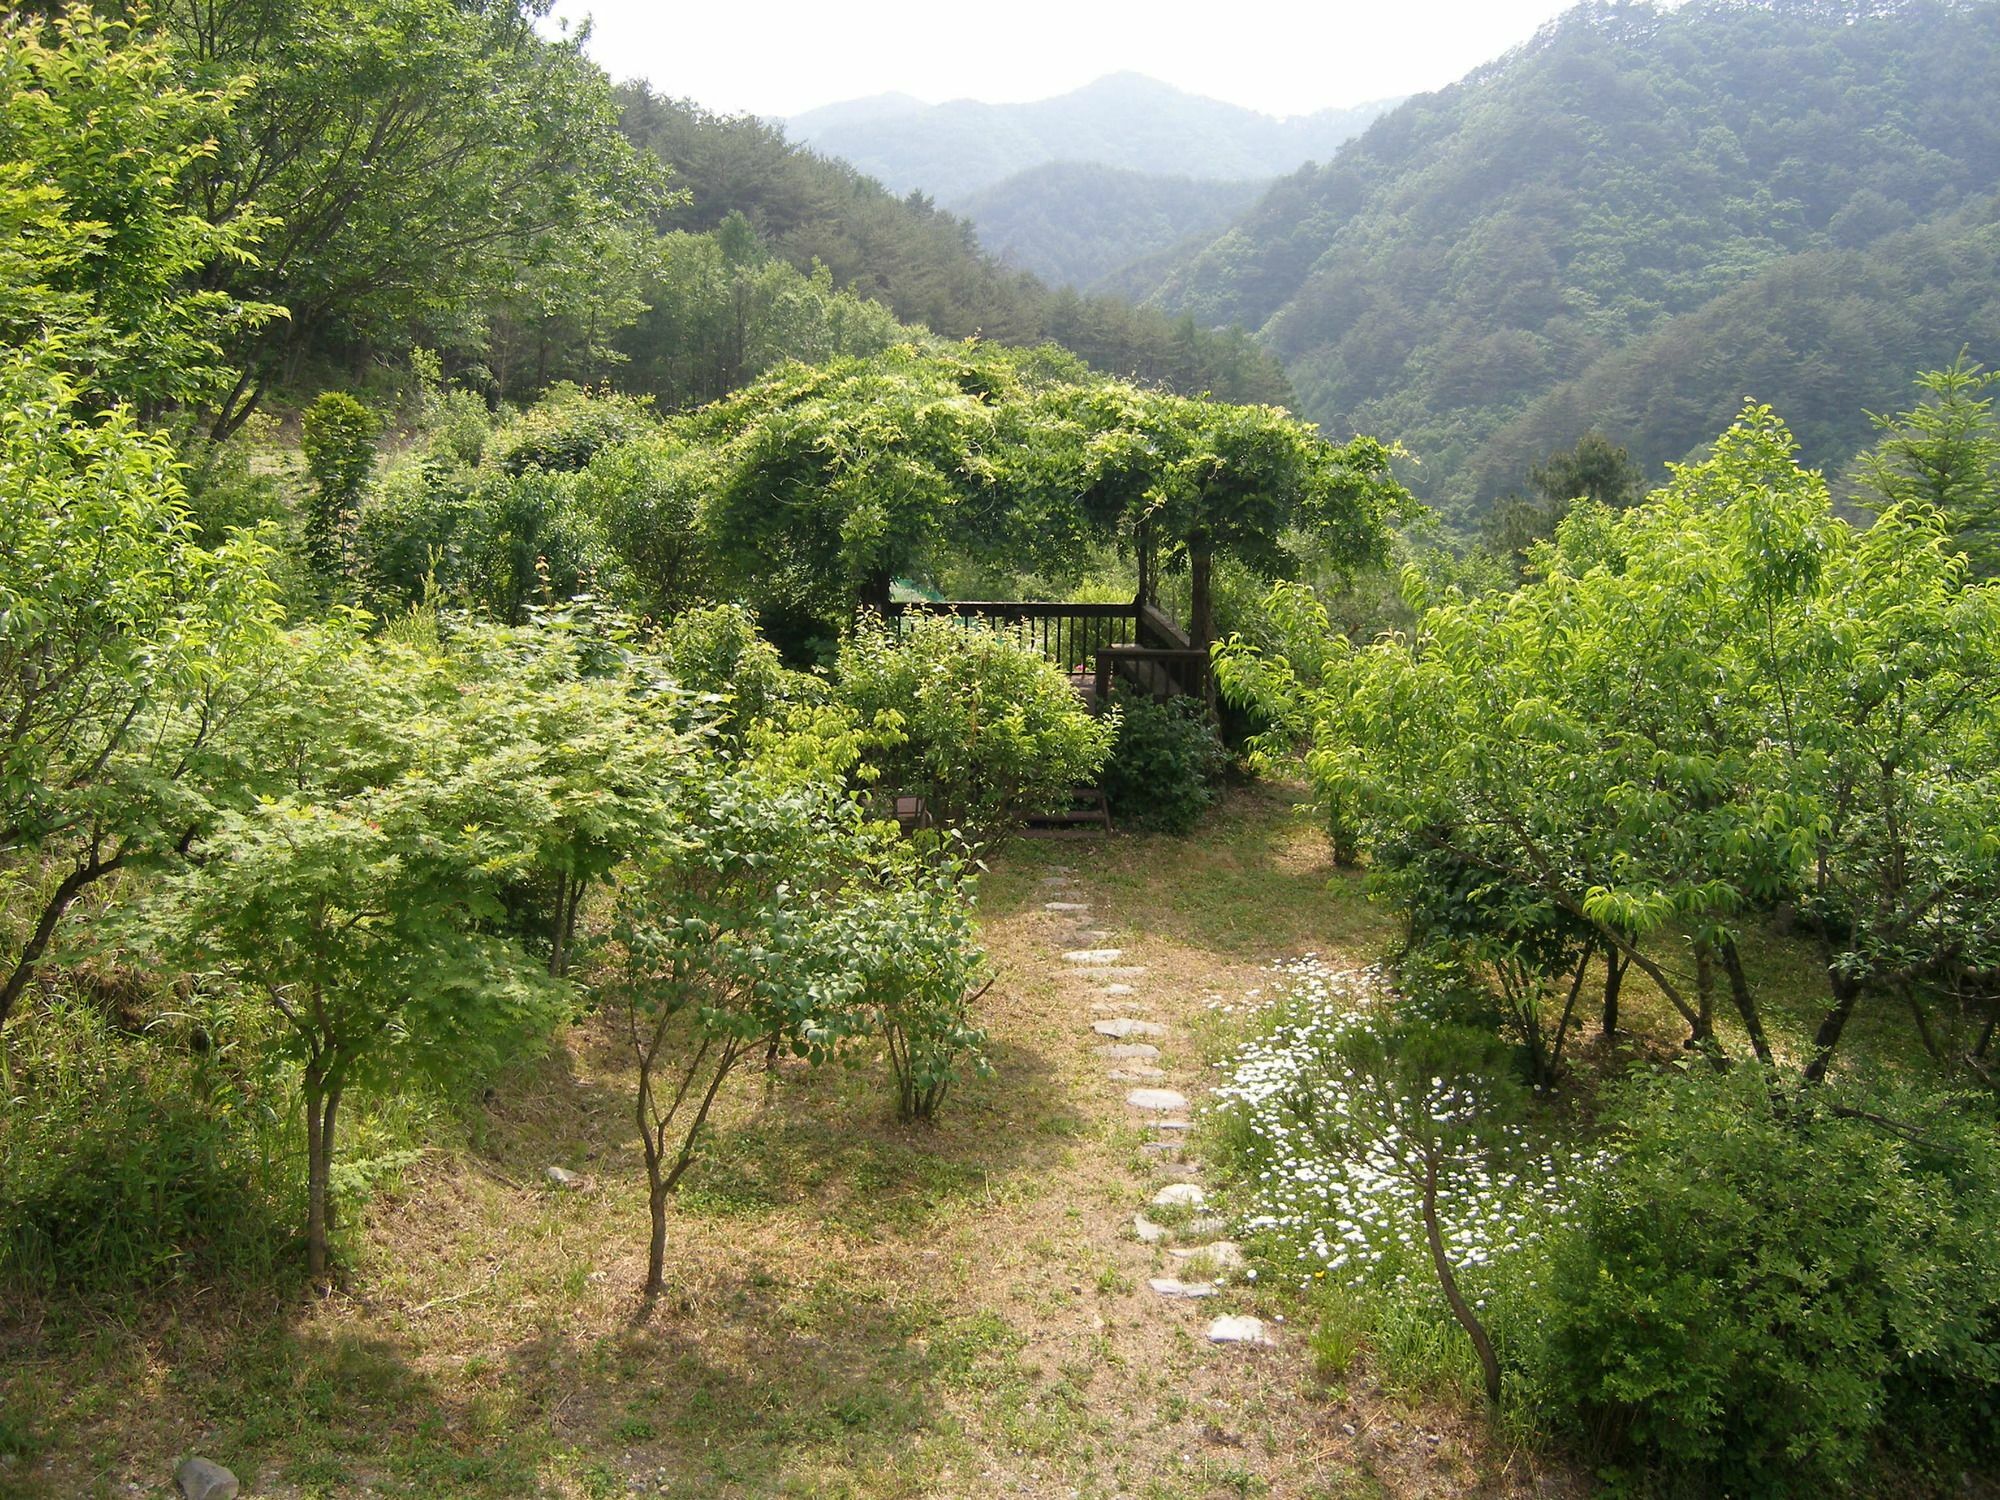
(780, 57)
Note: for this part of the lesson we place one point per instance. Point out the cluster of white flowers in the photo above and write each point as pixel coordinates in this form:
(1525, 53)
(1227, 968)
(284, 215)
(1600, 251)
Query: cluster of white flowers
(1336, 1148)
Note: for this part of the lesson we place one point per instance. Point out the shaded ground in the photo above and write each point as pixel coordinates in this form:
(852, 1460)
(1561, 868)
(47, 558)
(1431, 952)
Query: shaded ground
(857, 1308)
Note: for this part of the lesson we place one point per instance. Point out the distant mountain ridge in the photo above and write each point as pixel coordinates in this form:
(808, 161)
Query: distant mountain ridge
(1076, 223)
(1633, 222)
(951, 151)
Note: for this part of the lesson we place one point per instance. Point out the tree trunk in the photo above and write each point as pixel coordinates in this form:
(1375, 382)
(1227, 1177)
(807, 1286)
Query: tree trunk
(1489, 1362)
(322, 1106)
(874, 594)
(1846, 994)
(1615, 965)
(1746, 1005)
(1704, 983)
(30, 957)
(656, 1251)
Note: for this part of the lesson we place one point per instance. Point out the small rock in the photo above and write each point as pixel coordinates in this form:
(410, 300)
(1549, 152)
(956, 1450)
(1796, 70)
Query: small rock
(1180, 1194)
(1065, 906)
(1149, 1233)
(1093, 955)
(1156, 1099)
(1238, 1329)
(1124, 1026)
(1171, 1286)
(1128, 1051)
(561, 1177)
(204, 1479)
(1224, 1255)
(1136, 1073)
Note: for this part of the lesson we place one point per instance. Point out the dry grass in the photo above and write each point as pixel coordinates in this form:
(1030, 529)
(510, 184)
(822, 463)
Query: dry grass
(858, 1308)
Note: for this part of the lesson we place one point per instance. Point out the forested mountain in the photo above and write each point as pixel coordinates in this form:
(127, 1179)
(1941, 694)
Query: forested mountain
(1630, 223)
(1074, 223)
(922, 263)
(950, 151)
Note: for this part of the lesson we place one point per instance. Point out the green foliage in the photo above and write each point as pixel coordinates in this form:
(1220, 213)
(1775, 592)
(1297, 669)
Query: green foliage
(1164, 764)
(1945, 454)
(133, 1161)
(567, 428)
(921, 967)
(429, 162)
(647, 496)
(1719, 699)
(1585, 232)
(919, 262)
(1758, 1300)
(125, 652)
(994, 733)
(337, 437)
(100, 148)
(718, 653)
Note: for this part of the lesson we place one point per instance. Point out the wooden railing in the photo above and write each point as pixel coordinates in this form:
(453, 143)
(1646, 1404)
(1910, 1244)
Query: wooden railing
(1099, 645)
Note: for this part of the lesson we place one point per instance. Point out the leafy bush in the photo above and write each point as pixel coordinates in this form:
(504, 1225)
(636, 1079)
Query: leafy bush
(410, 533)
(128, 1163)
(1754, 1298)
(647, 495)
(1164, 764)
(718, 652)
(569, 427)
(528, 540)
(338, 439)
(994, 732)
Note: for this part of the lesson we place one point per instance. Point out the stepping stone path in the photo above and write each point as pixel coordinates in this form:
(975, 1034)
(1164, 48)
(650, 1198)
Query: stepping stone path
(1124, 1026)
(1131, 1063)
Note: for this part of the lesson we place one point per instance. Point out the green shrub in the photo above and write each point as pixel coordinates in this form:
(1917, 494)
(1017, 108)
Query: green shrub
(647, 494)
(994, 732)
(1165, 764)
(1754, 1300)
(410, 533)
(569, 427)
(718, 652)
(338, 438)
(128, 1163)
(527, 540)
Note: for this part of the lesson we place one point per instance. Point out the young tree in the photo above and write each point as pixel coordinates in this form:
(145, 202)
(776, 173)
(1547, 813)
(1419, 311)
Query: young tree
(358, 898)
(1945, 453)
(126, 654)
(724, 945)
(337, 437)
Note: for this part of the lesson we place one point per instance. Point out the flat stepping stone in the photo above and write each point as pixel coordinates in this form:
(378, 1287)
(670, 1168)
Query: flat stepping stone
(1136, 1073)
(1125, 1026)
(1093, 956)
(1161, 1147)
(1180, 1195)
(1129, 971)
(1128, 1051)
(1160, 1100)
(1095, 934)
(1065, 906)
(1149, 1233)
(1173, 1286)
(1173, 1124)
(1224, 1255)
(1119, 989)
(1203, 1225)
(1238, 1329)
(1177, 1169)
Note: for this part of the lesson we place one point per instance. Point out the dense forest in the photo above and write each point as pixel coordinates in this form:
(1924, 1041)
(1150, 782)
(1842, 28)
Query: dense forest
(1074, 223)
(1646, 211)
(951, 151)
(923, 264)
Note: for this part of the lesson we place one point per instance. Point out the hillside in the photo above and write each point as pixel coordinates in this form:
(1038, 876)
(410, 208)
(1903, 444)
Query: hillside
(951, 151)
(1460, 274)
(922, 263)
(1074, 223)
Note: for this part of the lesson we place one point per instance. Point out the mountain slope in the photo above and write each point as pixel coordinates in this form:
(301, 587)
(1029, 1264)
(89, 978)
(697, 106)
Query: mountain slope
(1073, 223)
(950, 151)
(1480, 247)
(925, 265)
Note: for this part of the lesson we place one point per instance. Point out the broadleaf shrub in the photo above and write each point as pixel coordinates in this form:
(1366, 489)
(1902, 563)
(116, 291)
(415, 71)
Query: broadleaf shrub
(1165, 764)
(993, 732)
(1757, 1296)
